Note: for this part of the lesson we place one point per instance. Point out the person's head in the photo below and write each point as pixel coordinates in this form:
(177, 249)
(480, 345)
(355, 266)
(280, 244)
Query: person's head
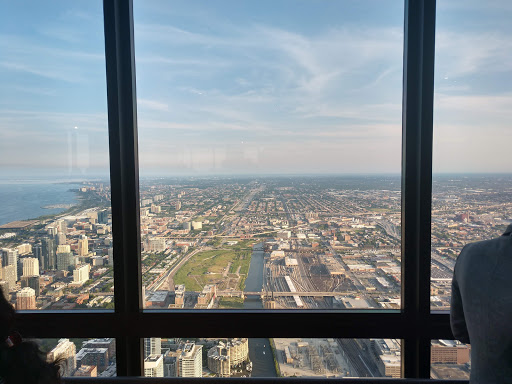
(6, 317)
(21, 361)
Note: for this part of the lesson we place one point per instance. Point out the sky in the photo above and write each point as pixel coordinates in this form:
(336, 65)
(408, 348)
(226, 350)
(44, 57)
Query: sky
(252, 87)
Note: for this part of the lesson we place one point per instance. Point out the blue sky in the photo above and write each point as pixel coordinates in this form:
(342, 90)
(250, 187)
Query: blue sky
(252, 86)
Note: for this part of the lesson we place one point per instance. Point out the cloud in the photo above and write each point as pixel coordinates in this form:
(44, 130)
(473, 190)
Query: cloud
(466, 53)
(152, 105)
(49, 73)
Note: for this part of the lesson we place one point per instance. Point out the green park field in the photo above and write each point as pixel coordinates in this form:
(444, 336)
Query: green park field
(228, 268)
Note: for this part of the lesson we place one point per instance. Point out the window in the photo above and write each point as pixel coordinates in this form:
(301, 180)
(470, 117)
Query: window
(413, 323)
(254, 123)
(55, 218)
(472, 183)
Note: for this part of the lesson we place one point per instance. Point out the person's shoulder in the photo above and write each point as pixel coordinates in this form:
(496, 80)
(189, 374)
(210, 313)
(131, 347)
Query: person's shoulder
(485, 245)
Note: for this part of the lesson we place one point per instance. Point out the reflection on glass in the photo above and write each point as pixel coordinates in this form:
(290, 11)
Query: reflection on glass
(292, 357)
(248, 119)
(82, 357)
(450, 360)
(472, 181)
(55, 215)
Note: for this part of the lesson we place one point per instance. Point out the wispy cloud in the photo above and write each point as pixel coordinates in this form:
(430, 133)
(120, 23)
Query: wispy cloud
(50, 73)
(467, 53)
(152, 105)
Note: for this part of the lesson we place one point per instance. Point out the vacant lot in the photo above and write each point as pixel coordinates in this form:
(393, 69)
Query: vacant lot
(227, 268)
(231, 302)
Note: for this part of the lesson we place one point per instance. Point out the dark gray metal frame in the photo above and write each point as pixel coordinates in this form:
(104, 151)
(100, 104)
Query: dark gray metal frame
(414, 324)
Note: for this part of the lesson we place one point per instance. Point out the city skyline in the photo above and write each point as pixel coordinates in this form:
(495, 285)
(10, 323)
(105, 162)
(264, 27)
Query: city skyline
(231, 89)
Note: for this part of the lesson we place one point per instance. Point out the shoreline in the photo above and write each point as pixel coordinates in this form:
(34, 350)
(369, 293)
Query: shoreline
(81, 201)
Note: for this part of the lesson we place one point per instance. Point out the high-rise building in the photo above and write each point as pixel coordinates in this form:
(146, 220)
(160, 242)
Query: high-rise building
(65, 258)
(81, 274)
(103, 216)
(179, 296)
(32, 282)
(49, 253)
(449, 352)
(97, 260)
(109, 343)
(37, 252)
(10, 257)
(61, 238)
(52, 230)
(170, 364)
(61, 225)
(93, 356)
(24, 249)
(190, 360)
(226, 355)
(65, 351)
(152, 346)
(156, 244)
(9, 275)
(86, 371)
(93, 217)
(154, 366)
(30, 266)
(83, 246)
(110, 256)
(26, 299)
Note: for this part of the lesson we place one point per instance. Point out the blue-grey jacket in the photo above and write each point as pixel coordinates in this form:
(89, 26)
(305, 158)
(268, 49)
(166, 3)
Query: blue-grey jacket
(481, 307)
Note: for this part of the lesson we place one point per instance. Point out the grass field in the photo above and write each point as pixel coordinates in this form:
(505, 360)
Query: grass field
(209, 267)
(231, 302)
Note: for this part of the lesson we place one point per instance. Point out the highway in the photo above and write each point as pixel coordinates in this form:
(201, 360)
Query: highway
(391, 229)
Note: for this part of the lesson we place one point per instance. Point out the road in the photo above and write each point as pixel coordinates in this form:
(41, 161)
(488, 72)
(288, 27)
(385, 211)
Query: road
(360, 359)
(169, 275)
(391, 229)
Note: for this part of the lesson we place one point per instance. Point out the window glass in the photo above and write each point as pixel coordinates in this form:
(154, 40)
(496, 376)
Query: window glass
(472, 181)
(55, 214)
(292, 357)
(270, 142)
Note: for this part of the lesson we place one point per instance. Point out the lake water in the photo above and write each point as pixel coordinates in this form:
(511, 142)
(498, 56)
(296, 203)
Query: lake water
(260, 352)
(24, 200)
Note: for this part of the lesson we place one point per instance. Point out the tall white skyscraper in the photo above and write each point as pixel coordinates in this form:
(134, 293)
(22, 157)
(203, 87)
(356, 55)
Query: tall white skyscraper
(30, 266)
(154, 366)
(152, 346)
(65, 350)
(190, 361)
(81, 274)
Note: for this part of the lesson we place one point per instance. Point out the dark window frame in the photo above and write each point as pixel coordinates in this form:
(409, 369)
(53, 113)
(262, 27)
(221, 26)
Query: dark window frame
(415, 324)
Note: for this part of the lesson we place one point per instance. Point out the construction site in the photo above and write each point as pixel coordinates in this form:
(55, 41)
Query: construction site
(312, 358)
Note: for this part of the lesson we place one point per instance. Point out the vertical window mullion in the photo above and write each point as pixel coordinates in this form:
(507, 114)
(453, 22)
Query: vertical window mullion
(418, 95)
(124, 173)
